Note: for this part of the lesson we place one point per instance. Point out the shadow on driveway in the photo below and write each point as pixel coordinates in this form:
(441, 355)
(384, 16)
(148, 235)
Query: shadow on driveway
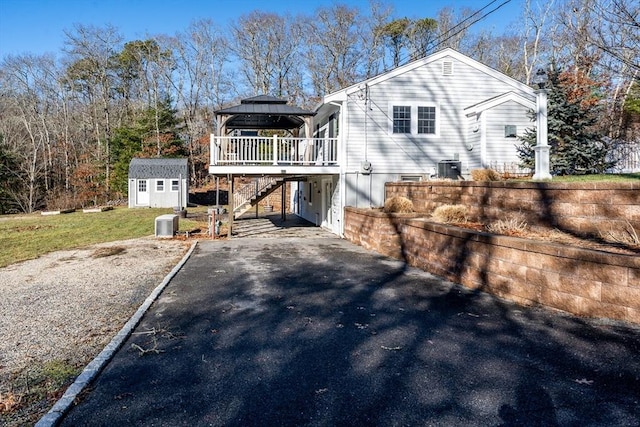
(304, 331)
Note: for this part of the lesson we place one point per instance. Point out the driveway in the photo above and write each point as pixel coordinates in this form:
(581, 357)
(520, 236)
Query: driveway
(319, 332)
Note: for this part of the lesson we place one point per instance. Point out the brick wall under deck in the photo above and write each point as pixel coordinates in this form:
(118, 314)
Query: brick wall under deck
(579, 281)
(579, 208)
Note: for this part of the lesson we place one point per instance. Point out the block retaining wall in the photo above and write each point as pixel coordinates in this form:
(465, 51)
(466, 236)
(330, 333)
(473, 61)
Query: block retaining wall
(579, 281)
(579, 208)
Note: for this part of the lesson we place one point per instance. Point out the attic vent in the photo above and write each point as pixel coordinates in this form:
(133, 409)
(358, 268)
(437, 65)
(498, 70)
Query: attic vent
(447, 68)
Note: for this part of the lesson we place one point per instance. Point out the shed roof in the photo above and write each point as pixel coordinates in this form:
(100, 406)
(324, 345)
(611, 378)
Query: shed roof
(264, 112)
(158, 168)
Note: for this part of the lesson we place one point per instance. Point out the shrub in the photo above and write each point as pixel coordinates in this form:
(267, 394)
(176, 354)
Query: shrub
(398, 204)
(485, 175)
(517, 224)
(625, 235)
(450, 214)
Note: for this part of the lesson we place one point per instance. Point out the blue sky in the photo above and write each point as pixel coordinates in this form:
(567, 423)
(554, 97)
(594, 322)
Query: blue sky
(37, 26)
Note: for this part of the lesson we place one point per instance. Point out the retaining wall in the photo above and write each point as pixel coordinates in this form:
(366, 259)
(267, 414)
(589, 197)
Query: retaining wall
(579, 281)
(579, 208)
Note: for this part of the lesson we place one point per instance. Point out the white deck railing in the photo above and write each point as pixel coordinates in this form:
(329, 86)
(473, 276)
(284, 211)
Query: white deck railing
(276, 150)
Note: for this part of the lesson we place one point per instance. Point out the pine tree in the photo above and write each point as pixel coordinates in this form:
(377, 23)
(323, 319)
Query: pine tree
(575, 146)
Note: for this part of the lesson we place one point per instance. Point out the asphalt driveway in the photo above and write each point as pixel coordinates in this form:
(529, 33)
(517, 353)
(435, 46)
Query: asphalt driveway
(317, 331)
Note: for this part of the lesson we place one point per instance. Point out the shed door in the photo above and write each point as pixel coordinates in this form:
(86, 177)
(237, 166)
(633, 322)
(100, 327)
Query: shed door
(142, 193)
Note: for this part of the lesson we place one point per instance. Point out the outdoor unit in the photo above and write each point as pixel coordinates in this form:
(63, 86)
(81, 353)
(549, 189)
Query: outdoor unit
(449, 169)
(166, 225)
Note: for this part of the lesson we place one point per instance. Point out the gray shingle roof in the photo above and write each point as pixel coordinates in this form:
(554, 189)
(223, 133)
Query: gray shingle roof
(157, 168)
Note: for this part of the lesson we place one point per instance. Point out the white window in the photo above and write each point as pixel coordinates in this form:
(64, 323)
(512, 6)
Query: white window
(417, 118)
(142, 186)
(160, 185)
(401, 119)
(426, 119)
(175, 185)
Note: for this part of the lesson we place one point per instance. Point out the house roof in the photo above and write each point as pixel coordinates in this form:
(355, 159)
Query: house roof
(264, 112)
(492, 102)
(158, 168)
(341, 95)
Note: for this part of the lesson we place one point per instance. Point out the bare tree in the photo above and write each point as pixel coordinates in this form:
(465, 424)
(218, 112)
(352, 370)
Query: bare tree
(332, 53)
(91, 53)
(267, 46)
(371, 39)
(198, 84)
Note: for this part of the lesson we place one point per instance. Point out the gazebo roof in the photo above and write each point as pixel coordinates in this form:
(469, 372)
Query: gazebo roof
(264, 112)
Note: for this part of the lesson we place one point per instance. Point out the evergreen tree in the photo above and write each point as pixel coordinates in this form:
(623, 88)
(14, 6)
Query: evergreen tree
(575, 146)
(155, 133)
(8, 166)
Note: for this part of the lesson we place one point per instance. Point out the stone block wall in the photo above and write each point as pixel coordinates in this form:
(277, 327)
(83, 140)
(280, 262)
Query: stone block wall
(579, 281)
(579, 208)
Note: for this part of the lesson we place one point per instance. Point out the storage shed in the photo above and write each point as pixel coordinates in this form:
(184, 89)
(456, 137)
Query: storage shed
(158, 183)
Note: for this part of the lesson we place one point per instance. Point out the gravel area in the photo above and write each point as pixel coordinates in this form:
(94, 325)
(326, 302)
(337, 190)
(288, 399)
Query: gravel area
(67, 305)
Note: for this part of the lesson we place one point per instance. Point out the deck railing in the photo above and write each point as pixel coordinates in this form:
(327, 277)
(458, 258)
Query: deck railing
(276, 150)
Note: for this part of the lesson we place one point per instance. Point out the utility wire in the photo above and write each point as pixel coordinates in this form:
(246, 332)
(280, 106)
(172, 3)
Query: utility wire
(448, 36)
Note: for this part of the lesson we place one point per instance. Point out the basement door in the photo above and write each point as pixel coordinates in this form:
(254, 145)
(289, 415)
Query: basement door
(327, 208)
(142, 195)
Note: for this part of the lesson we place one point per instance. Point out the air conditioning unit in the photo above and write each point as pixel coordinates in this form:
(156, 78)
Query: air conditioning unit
(166, 225)
(449, 169)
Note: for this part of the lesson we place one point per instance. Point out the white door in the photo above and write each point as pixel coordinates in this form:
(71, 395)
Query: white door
(327, 208)
(142, 193)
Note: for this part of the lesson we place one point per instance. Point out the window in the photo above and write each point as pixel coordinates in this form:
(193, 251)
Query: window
(160, 185)
(142, 186)
(415, 118)
(401, 119)
(427, 120)
(510, 131)
(175, 185)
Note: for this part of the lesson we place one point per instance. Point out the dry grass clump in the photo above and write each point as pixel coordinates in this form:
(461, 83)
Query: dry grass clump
(515, 225)
(450, 214)
(108, 251)
(398, 204)
(625, 234)
(485, 175)
(9, 402)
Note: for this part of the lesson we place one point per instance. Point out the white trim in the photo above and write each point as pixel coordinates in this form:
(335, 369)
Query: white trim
(158, 189)
(499, 100)
(483, 140)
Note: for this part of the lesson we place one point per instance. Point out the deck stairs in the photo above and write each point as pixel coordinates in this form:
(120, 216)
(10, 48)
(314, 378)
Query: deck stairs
(252, 193)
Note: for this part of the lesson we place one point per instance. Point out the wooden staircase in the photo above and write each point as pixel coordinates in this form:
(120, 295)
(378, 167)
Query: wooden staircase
(249, 195)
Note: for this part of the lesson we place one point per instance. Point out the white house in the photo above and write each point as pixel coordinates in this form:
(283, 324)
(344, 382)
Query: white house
(443, 114)
(158, 183)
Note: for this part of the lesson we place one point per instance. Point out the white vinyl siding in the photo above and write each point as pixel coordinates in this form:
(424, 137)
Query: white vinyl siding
(422, 86)
(500, 149)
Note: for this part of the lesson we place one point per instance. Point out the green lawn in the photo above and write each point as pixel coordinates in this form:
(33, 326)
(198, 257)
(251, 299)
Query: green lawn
(623, 177)
(25, 237)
